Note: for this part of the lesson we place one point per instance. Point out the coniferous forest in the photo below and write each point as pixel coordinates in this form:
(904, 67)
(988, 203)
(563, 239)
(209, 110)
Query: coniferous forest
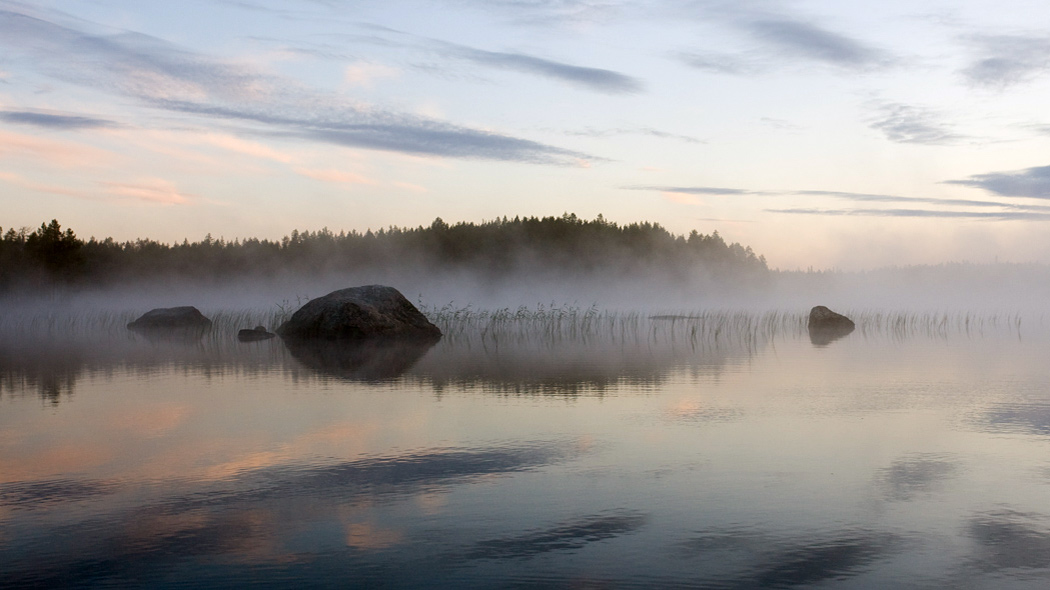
(52, 255)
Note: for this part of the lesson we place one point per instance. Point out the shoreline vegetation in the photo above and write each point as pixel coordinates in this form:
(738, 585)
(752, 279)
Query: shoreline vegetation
(51, 256)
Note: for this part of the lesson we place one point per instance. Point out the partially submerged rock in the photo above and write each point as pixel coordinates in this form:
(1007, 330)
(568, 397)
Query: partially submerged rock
(359, 313)
(177, 320)
(826, 326)
(254, 334)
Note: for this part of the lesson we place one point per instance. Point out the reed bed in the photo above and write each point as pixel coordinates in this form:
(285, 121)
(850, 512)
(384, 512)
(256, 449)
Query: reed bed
(90, 325)
(554, 324)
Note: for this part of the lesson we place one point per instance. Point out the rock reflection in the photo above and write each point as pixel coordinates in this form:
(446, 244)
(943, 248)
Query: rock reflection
(823, 336)
(360, 360)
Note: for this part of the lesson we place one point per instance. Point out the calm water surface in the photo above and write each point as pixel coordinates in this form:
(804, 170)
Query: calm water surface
(642, 459)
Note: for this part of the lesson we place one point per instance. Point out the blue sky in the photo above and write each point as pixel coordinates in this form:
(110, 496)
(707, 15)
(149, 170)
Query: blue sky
(825, 134)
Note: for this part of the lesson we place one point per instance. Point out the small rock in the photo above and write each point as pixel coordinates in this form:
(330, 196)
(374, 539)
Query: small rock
(174, 319)
(254, 334)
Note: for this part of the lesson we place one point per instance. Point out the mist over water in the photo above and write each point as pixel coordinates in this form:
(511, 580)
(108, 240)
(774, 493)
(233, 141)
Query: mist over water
(567, 431)
(978, 288)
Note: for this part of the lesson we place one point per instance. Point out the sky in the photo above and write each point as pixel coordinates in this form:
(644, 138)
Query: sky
(823, 134)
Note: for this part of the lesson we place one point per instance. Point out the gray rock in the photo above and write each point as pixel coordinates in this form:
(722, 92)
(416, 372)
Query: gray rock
(826, 326)
(373, 311)
(175, 319)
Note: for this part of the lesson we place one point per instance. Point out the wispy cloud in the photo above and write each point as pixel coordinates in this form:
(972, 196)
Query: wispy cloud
(366, 74)
(807, 40)
(150, 190)
(870, 198)
(55, 121)
(596, 79)
(248, 148)
(590, 78)
(947, 208)
(693, 190)
(645, 131)
(153, 190)
(1006, 60)
(903, 123)
(63, 153)
(779, 39)
(1030, 182)
(171, 78)
(721, 63)
(926, 213)
(333, 175)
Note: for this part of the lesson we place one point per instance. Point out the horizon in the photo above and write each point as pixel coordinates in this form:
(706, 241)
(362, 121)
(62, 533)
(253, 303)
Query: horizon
(821, 135)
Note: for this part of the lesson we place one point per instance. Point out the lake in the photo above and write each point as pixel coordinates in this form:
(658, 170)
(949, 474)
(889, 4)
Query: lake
(581, 449)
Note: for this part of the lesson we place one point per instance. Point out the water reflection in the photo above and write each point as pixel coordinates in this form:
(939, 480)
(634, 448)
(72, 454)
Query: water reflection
(360, 360)
(1008, 539)
(1024, 418)
(914, 475)
(34, 495)
(764, 560)
(564, 367)
(823, 336)
(246, 518)
(565, 536)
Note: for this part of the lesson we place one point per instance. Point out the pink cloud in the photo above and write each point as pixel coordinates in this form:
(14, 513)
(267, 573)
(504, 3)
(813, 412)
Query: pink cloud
(331, 175)
(55, 152)
(154, 190)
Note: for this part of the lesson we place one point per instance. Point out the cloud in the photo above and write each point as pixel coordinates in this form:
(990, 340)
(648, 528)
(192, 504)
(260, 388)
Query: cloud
(153, 190)
(249, 148)
(721, 63)
(1007, 60)
(337, 176)
(1031, 182)
(693, 190)
(174, 79)
(408, 186)
(365, 74)
(903, 123)
(55, 121)
(25, 183)
(988, 215)
(591, 132)
(597, 79)
(810, 41)
(863, 197)
(17, 145)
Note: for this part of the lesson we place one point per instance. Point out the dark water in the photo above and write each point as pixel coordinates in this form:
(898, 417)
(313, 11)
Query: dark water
(642, 458)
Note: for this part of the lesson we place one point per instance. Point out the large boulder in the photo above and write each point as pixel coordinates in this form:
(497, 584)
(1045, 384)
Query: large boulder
(172, 319)
(358, 313)
(826, 326)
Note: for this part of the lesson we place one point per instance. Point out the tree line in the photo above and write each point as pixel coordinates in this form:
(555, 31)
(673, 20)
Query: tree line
(50, 255)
